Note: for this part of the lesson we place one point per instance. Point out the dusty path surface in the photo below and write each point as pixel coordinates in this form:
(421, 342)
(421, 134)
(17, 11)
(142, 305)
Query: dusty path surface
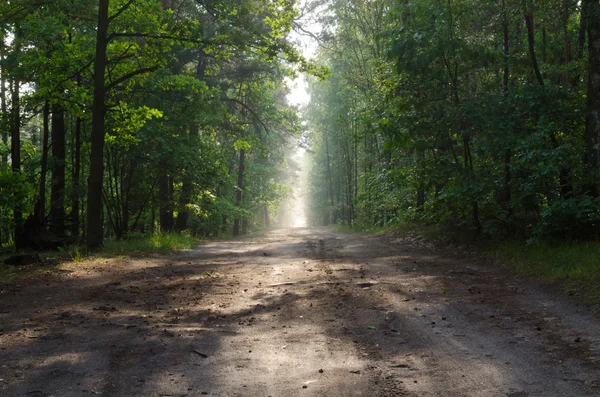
(299, 312)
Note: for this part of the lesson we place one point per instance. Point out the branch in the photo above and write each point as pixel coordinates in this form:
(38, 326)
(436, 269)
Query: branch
(159, 37)
(129, 76)
(254, 114)
(121, 10)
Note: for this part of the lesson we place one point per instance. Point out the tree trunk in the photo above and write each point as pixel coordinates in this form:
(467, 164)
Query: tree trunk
(583, 22)
(592, 124)
(76, 179)
(531, 43)
(165, 207)
(567, 51)
(266, 218)
(239, 193)
(185, 198)
(4, 131)
(15, 150)
(57, 194)
(3, 107)
(41, 207)
(505, 47)
(95, 226)
(333, 218)
(505, 191)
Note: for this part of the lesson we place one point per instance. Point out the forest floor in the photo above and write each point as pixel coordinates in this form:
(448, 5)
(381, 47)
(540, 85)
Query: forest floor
(297, 312)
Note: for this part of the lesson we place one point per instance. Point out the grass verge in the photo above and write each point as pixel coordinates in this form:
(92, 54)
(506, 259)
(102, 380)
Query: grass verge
(400, 230)
(574, 267)
(159, 243)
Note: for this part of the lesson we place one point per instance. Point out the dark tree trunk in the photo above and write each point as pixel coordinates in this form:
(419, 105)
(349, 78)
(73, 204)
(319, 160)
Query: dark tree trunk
(592, 124)
(165, 205)
(4, 131)
(583, 22)
(531, 43)
(505, 47)
(95, 226)
(57, 194)
(76, 179)
(3, 107)
(185, 198)
(171, 202)
(567, 51)
(505, 193)
(237, 223)
(15, 150)
(41, 207)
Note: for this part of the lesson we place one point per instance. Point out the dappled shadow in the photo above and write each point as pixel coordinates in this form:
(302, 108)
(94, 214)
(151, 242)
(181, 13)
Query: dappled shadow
(226, 319)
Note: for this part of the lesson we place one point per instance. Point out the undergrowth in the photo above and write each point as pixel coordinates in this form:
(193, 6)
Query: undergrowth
(160, 243)
(400, 230)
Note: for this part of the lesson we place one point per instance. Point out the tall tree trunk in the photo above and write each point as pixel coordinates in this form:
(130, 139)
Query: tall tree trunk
(95, 226)
(583, 21)
(420, 186)
(567, 50)
(3, 107)
(15, 150)
(57, 194)
(41, 207)
(165, 205)
(266, 218)
(237, 223)
(76, 180)
(329, 176)
(4, 131)
(592, 124)
(531, 43)
(505, 192)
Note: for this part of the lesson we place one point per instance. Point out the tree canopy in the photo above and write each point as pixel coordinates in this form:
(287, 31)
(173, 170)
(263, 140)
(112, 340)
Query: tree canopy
(478, 115)
(123, 117)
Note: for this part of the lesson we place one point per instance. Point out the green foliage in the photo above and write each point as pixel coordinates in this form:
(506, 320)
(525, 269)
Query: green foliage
(186, 87)
(429, 117)
(162, 243)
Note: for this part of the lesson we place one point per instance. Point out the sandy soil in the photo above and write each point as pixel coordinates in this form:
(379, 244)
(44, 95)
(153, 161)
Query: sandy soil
(299, 312)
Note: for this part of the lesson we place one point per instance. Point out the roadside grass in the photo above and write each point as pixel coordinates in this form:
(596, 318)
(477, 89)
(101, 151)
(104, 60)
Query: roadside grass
(158, 243)
(573, 267)
(398, 230)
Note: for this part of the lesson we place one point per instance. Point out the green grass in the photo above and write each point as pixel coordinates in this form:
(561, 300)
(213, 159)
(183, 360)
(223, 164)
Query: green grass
(159, 243)
(574, 267)
(359, 229)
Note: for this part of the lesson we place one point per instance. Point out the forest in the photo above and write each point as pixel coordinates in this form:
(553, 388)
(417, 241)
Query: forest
(480, 116)
(122, 118)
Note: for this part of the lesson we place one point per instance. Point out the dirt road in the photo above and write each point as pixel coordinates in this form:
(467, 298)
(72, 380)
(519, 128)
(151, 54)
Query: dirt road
(299, 312)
